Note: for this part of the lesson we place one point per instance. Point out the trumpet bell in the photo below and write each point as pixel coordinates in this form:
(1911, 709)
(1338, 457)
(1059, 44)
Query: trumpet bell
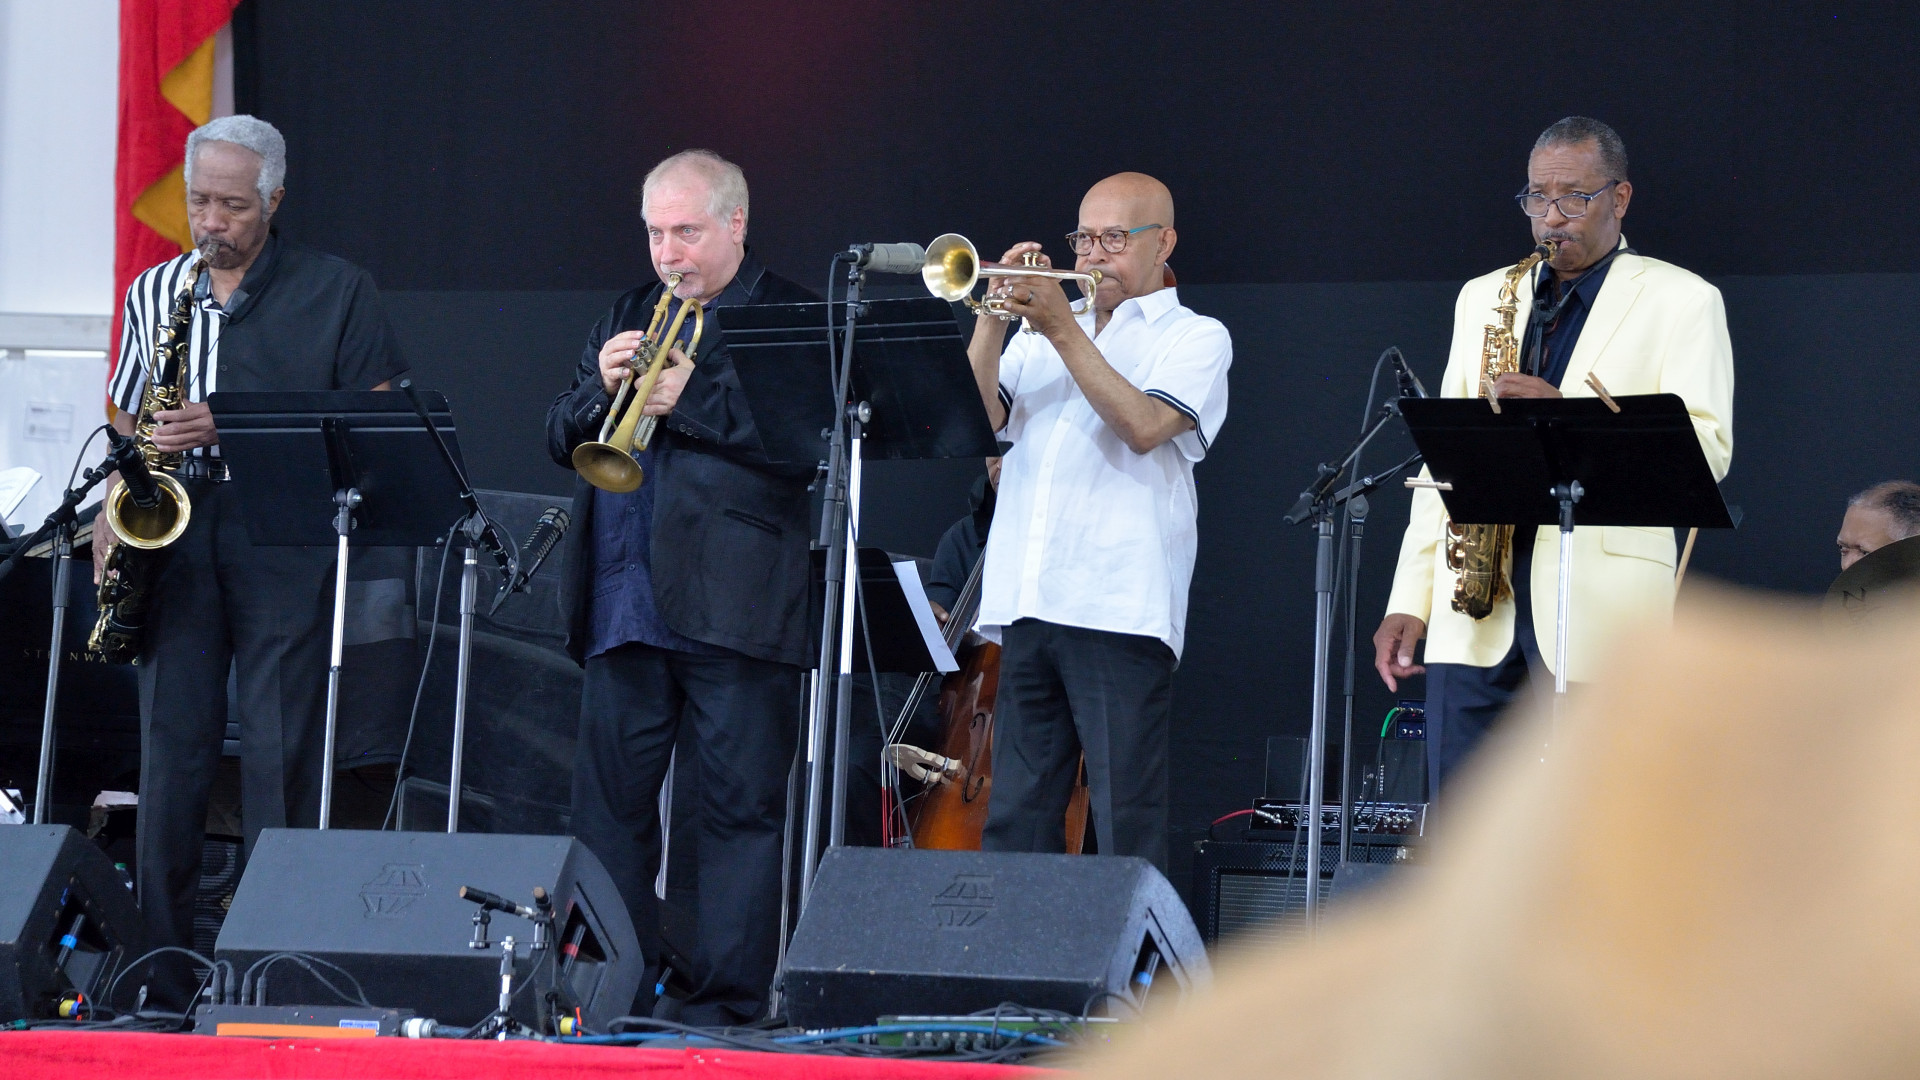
(608, 467)
(153, 526)
(952, 267)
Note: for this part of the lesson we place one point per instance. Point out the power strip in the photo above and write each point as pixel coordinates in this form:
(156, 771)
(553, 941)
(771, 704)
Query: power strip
(298, 1021)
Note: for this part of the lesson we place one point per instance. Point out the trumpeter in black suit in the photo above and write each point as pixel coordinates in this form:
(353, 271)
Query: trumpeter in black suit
(687, 602)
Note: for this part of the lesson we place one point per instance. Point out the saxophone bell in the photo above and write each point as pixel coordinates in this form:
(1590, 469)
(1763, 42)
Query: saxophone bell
(149, 509)
(153, 526)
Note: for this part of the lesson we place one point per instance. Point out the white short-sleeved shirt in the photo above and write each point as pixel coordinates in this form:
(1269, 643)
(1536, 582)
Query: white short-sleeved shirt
(1086, 532)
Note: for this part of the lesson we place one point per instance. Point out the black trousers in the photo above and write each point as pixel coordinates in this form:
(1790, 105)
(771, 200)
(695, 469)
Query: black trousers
(1065, 690)
(218, 601)
(744, 716)
(1464, 702)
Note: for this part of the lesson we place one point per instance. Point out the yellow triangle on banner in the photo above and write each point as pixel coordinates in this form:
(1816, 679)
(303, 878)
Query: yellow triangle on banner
(190, 85)
(163, 207)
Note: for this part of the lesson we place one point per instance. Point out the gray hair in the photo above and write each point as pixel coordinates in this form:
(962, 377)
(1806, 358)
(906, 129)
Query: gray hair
(249, 133)
(1899, 500)
(726, 184)
(1575, 130)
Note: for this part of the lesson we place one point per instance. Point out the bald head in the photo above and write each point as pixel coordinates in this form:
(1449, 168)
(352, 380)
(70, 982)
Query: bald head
(1140, 208)
(1142, 195)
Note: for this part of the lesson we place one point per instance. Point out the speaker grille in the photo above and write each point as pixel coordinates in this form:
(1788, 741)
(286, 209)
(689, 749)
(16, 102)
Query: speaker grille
(1255, 892)
(1262, 909)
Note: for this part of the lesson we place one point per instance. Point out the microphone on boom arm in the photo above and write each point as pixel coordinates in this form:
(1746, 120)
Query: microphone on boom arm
(547, 531)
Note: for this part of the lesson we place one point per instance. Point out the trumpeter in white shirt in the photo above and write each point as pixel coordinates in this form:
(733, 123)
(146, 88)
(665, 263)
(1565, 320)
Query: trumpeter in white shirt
(1093, 540)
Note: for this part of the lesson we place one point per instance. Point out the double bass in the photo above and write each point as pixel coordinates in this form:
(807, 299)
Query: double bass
(952, 811)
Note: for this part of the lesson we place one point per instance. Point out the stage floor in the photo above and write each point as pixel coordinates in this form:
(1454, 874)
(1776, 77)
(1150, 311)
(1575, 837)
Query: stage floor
(86, 1055)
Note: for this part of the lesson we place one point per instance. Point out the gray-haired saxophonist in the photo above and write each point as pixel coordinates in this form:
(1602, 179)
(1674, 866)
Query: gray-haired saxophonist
(266, 315)
(1598, 308)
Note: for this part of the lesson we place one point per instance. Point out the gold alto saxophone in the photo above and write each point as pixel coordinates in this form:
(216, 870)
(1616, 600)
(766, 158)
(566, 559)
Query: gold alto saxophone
(1482, 555)
(127, 581)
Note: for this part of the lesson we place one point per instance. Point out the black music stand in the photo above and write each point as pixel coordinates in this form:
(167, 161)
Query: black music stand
(346, 467)
(890, 620)
(1623, 461)
(907, 392)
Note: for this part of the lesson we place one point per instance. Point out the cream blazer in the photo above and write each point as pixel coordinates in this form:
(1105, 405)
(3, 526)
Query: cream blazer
(1654, 329)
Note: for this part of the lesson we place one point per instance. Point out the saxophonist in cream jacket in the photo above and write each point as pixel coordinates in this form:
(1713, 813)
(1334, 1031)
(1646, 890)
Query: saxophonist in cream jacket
(1650, 328)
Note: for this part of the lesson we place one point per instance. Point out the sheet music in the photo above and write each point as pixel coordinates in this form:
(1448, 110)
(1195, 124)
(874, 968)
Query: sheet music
(15, 483)
(909, 575)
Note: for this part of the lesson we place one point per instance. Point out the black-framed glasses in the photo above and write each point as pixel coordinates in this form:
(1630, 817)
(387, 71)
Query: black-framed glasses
(1534, 204)
(1114, 240)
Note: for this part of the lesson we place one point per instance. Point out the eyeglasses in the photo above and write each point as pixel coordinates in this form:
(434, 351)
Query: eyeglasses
(1114, 240)
(1534, 205)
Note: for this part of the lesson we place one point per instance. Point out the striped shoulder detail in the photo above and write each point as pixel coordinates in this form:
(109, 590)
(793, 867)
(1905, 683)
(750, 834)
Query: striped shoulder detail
(1181, 408)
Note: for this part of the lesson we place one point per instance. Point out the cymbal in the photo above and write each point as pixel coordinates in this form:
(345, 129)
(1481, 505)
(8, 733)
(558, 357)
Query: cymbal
(1886, 578)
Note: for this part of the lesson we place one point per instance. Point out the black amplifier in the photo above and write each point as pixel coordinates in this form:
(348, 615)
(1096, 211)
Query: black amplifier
(1254, 891)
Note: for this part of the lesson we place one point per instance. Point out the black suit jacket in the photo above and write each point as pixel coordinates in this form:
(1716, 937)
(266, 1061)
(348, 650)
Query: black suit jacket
(730, 530)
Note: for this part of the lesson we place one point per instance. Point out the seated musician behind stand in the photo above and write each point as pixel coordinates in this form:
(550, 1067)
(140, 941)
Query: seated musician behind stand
(1881, 515)
(962, 543)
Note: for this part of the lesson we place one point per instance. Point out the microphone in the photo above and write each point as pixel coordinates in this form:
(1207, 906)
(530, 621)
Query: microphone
(889, 258)
(540, 543)
(547, 531)
(133, 471)
(1409, 382)
(492, 902)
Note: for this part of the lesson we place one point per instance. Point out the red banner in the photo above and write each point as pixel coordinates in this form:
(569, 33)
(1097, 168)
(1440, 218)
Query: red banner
(166, 90)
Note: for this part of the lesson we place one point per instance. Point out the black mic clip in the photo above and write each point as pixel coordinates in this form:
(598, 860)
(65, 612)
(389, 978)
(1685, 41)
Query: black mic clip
(1303, 506)
(1410, 385)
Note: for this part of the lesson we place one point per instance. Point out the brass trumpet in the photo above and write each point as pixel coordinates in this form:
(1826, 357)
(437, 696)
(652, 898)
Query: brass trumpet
(953, 267)
(608, 463)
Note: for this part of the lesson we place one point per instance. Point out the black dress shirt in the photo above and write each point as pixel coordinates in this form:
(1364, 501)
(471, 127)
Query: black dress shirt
(1553, 334)
(299, 320)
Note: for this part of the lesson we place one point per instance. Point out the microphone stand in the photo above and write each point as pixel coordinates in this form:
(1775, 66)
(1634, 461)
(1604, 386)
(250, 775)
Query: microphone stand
(60, 525)
(1320, 503)
(480, 533)
(839, 522)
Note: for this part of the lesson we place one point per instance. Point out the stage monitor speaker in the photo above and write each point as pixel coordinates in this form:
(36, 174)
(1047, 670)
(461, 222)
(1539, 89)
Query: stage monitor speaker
(386, 907)
(893, 932)
(67, 920)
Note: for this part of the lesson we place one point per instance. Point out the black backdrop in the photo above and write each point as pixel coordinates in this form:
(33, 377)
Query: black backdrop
(1339, 170)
